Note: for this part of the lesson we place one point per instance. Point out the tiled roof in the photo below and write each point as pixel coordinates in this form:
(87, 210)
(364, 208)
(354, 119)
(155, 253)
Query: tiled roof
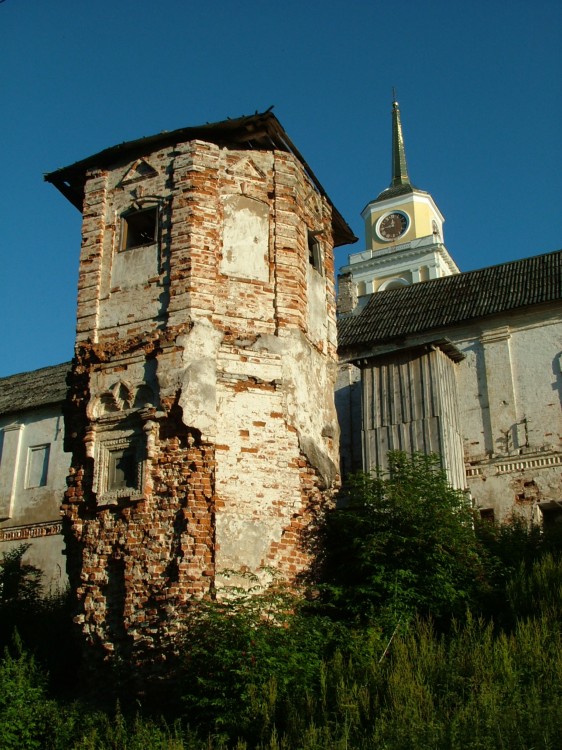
(454, 300)
(29, 390)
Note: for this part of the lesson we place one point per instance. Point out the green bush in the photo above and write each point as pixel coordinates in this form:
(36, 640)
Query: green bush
(25, 711)
(42, 620)
(247, 656)
(384, 652)
(509, 552)
(399, 545)
(538, 591)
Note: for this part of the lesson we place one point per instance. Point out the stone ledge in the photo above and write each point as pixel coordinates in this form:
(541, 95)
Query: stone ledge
(30, 531)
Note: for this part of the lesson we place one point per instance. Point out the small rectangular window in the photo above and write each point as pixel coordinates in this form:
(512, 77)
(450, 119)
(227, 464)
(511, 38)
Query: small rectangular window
(139, 228)
(118, 467)
(37, 466)
(122, 469)
(488, 515)
(314, 251)
(552, 517)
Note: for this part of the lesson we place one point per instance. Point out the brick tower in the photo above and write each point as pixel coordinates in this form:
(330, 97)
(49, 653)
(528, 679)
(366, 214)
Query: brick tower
(201, 417)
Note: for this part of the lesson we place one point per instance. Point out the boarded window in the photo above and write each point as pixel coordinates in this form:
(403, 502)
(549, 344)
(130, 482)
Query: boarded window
(37, 466)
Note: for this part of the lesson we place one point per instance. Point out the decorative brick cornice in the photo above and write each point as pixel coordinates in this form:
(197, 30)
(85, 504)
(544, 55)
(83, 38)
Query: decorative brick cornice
(30, 531)
(529, 463)
(515, 464)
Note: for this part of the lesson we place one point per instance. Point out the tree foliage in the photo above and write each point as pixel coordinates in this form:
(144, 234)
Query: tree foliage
(399, 544)
(249, 654)
(20, 582)
(272, 671)
(41, 619)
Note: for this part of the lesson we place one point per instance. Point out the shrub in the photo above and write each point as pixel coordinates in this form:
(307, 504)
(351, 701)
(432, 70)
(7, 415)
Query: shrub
(398, 545)
(247, 656)
(24, 709)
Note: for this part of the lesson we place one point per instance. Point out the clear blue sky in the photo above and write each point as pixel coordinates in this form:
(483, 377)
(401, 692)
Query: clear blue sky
(479, 85)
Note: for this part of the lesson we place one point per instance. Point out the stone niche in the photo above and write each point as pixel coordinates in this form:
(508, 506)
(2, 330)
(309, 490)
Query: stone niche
(245, 251)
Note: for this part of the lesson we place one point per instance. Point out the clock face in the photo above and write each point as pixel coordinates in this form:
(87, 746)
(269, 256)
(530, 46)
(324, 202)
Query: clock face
(393, 225)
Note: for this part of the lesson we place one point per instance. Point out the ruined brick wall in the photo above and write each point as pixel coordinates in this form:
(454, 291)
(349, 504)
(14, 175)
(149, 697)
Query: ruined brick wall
(201, 417)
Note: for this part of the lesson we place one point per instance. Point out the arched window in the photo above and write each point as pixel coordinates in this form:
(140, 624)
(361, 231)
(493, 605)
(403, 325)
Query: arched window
(393, 284)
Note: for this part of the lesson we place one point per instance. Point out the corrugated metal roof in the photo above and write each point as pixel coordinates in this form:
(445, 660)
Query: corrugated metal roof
(454, 300)
(29, 390)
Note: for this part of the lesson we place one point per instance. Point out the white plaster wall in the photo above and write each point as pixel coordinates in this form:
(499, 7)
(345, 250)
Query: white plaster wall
(198, 397)
(39, 427)
(317, 318)
(28, 507)
(256, 481)
(473, 399)
(308, 382)
(528, 385)
(510, 397)
(348, 407)
(245, 251)
(538, 349)
(134, 266)
(46, 553)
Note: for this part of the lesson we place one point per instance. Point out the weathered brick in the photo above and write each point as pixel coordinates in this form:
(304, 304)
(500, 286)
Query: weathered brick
(217, 365)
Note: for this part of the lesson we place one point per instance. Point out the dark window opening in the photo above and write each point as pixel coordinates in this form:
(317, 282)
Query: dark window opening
(487, 514)
(314, 252)
(139, 228)
(552, 518)
(123, 469)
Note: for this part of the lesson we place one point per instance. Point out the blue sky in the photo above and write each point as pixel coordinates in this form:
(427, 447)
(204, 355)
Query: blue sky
(479, 85)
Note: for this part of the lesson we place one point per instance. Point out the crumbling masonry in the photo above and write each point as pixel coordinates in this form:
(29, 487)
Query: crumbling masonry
(201, 418)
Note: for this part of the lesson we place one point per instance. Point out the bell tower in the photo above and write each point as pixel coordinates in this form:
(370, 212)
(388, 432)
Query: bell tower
(403, 231)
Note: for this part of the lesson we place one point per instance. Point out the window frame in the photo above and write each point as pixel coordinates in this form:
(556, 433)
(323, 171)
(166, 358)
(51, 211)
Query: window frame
(126, 227)
(132, 443)
(44, 478)
(315, 254)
